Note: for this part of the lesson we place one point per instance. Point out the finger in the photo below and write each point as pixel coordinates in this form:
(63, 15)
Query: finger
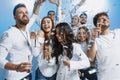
(26, 63)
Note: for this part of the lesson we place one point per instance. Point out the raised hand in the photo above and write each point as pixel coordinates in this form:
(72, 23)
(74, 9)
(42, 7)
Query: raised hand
(40, 1)
(54, 2)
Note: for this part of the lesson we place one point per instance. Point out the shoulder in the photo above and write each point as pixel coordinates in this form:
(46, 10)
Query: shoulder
(116, 30)
(11, 30)
(7, 34)
(40, 33)
(76, 44)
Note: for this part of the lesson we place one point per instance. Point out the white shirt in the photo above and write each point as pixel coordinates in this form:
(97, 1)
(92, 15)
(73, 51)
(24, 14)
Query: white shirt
(15, 43)
(78, 61)
(84, 47)
(48, 69)
(108, 56)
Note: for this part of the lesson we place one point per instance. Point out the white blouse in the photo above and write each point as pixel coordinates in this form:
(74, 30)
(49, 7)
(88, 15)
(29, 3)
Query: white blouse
(48, 69)
(78, 61)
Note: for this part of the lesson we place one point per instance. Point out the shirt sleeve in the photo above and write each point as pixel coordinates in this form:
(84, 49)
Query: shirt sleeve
(73, 11)
(38, 20)
(59, 14)
(5, 46)
(32, 21)
(82, 62)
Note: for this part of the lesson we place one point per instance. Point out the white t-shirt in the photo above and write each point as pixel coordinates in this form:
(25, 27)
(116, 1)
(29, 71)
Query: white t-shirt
(108, 56)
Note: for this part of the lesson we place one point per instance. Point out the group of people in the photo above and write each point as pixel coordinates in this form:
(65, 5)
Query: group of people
(63, 51)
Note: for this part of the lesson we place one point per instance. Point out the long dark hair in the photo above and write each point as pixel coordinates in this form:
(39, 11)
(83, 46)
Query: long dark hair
(58, 47)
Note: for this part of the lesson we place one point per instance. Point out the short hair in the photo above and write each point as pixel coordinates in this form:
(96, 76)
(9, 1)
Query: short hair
(17, 6)
(51, 11)
(95, 19)
(83, 14)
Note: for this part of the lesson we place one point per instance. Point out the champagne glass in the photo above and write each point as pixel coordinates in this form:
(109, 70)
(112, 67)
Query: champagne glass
(29, 60)
(48, 48)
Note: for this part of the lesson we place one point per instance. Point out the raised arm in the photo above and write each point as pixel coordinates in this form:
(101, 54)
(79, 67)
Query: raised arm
(73, 11)
(54, 2)
(37, 6)
(35, 16)
(93, 48)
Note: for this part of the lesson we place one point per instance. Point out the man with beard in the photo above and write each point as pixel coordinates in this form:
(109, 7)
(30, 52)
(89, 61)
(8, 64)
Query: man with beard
(15, 42)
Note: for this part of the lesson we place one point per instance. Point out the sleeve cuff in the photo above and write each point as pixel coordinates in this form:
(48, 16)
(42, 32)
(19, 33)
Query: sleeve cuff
(2, 63)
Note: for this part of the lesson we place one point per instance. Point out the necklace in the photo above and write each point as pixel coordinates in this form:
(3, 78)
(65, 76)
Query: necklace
(26, 37)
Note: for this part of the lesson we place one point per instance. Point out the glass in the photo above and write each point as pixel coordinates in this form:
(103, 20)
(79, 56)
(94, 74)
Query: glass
(48, 47)
(29, 60)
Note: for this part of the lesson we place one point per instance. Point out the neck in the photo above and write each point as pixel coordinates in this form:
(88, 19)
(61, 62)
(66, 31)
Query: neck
(21, 27)
(105, 32)
(74, 26)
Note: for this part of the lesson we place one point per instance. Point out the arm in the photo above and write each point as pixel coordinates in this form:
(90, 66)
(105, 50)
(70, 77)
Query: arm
(53, 1)
(92, 54)
(83, 61)
(92, 51)
(59, 9)
(80, 60)
(35, 16)
(73, 11)
(5, 46)
(59, 12)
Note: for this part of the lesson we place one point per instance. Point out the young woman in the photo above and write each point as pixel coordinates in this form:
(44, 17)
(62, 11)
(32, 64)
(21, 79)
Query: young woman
(69, 54)
(83, 39)
(47, 67)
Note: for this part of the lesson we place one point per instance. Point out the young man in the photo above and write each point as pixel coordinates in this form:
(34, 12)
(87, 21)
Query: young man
(105, 48)
(15, 42)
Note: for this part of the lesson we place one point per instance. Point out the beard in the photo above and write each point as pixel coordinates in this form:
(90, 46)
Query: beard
(24, 20)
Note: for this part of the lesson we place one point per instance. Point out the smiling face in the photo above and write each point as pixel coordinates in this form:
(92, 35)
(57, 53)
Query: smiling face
(60, 36)
(75, 20)
(83, 19)
(82, 34)
(21, 16)
(47, 24)
(104, 19)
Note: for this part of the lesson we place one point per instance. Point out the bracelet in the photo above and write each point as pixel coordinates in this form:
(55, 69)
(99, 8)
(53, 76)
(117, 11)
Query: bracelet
(17, 67)
(91, 60)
